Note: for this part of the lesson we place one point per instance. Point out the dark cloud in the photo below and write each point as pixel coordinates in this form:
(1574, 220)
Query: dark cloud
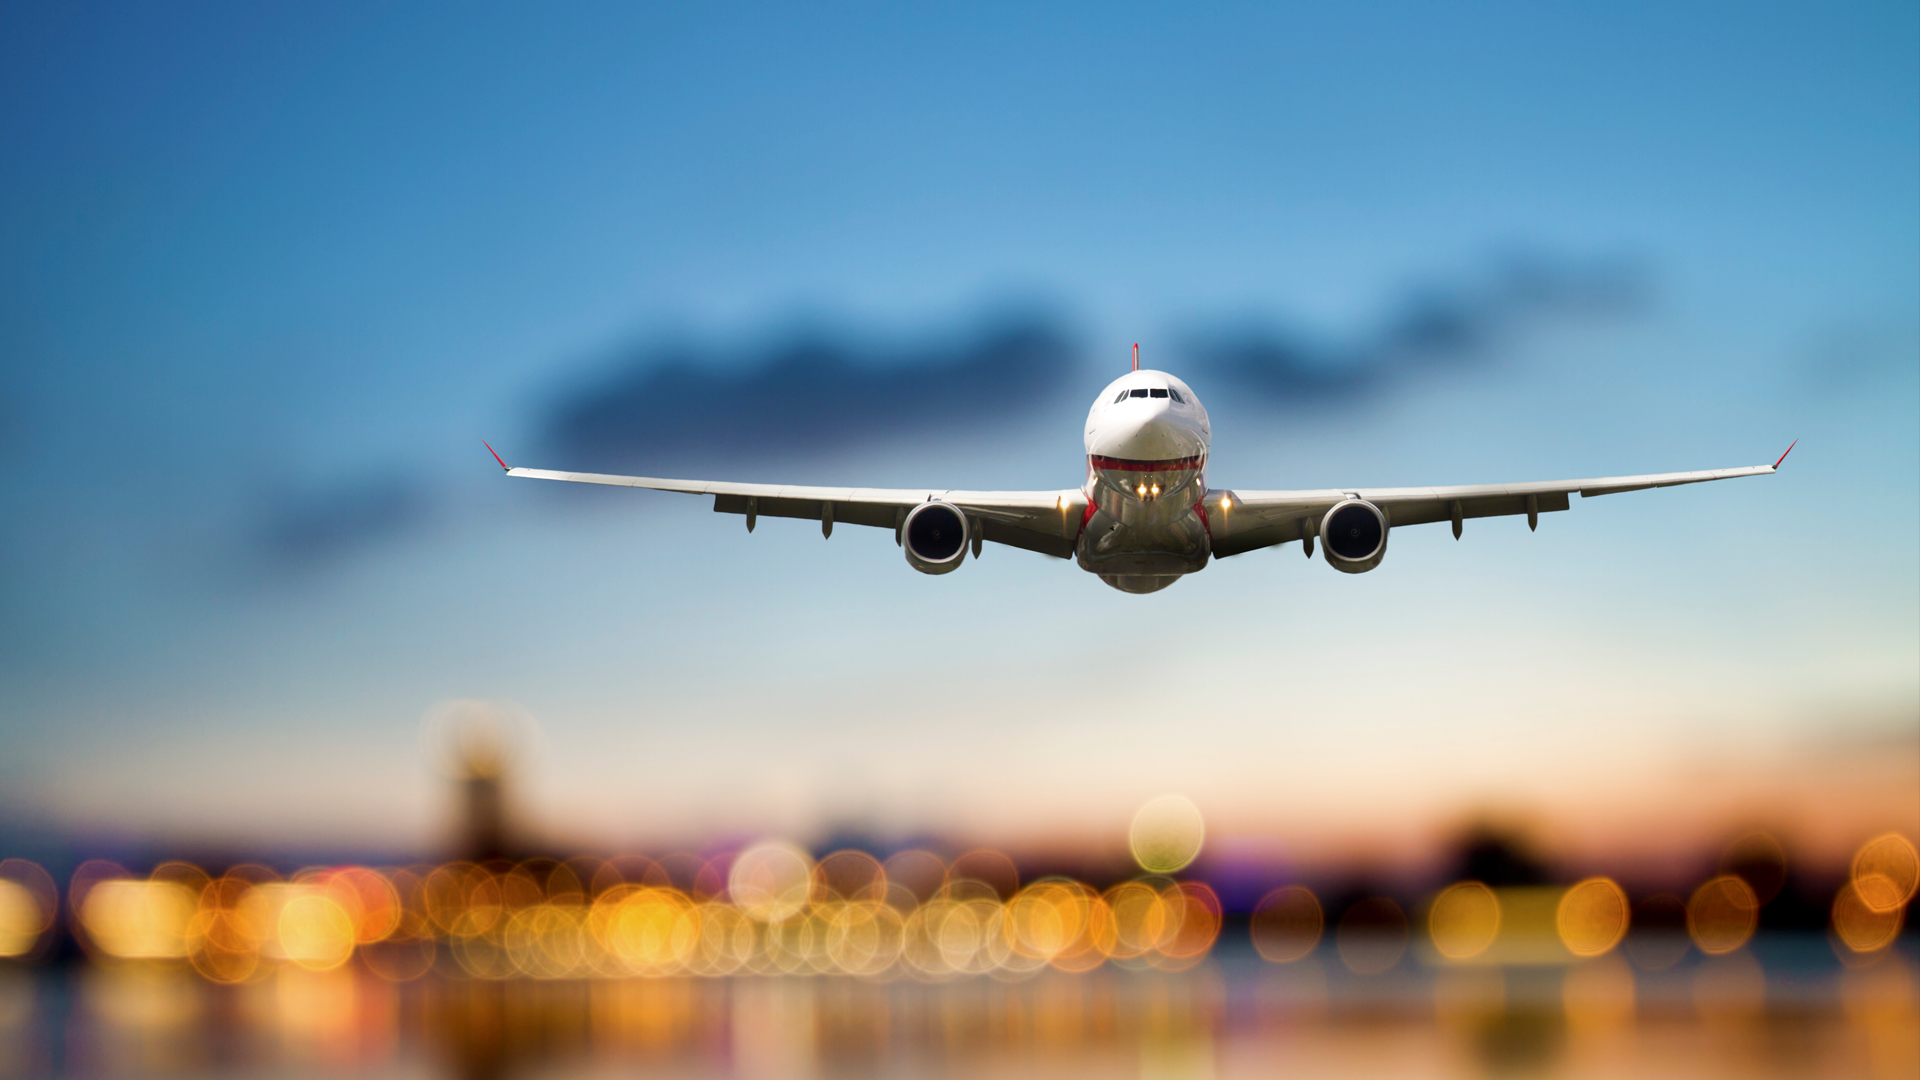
(805, 393)
(296, 528)
(1853, 358)
(1435, 326)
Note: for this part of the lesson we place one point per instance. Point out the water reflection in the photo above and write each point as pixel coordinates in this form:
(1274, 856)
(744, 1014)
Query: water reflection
(1794, 1009)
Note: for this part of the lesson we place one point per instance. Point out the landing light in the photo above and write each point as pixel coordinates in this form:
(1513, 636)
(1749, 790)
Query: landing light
(1226, 502)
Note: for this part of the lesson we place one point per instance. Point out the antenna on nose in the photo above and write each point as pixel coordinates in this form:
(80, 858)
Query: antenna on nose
(1136, 356)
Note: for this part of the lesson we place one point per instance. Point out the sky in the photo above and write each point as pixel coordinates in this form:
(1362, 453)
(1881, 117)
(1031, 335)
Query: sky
(270, 273)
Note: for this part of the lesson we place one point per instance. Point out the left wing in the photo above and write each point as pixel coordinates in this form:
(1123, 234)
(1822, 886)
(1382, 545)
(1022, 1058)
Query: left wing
(1043, 521)
(1245, 520)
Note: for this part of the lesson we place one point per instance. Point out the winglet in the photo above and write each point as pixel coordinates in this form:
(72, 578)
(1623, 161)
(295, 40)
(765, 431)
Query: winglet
(495, 453)
(1136, 356)
(1783, 457)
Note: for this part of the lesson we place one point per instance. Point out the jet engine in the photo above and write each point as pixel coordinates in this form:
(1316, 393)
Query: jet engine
(935, 537)
(1354, 536)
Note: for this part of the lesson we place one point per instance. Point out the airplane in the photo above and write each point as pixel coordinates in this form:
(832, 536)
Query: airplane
(1144, 516)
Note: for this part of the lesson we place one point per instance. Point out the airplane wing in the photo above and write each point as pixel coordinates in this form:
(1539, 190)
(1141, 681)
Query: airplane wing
(1245, 520)
(1043, 521)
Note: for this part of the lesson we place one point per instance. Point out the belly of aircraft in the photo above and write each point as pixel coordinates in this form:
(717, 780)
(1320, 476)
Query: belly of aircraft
(1145, 520)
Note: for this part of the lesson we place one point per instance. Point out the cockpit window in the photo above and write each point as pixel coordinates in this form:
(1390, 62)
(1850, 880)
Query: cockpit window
(1157, 392)
(1122, 396)
(1176, 395)
(1138, 393)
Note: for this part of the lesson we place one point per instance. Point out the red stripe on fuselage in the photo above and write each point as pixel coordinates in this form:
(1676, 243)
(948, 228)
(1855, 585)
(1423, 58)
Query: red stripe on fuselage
(1129, 465)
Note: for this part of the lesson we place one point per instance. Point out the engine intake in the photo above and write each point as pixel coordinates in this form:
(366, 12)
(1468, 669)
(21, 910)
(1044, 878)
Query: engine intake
(1354, 536)
(935, 537)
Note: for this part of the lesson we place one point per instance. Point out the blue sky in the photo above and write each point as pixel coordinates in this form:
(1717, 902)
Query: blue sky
(280, 268)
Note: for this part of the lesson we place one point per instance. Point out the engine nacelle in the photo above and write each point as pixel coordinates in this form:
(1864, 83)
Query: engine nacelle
(1354, 536)
(935, 536)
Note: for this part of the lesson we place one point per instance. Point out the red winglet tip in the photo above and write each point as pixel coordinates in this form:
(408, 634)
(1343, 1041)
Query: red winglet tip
(495, 453)
(1783, 457)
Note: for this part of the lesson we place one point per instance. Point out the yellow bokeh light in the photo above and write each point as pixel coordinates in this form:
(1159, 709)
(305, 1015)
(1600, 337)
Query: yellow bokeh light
(1592, 917)
(1886, 871)
(1049, 918)
(551, 941)
(778, 913)
(1860, 925)
(1196, 923)
(1167, 834)
(1722, 915)
(139, 920)
(865, 938)
(1463, 920)
(771, 881)
(1286, 924)
(28, 902)
(314, 931)
(1140, 919)
(651, 930)
(225, 936)
(20, 919)
(368, 899)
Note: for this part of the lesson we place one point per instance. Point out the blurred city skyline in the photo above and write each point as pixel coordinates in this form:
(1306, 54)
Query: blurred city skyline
(272, 274)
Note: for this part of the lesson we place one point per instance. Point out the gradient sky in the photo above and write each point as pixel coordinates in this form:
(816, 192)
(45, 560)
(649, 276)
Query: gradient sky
(270, 273)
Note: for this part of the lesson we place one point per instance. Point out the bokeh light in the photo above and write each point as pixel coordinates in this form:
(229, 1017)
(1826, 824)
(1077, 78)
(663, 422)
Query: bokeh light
(20, 919)
(29, 903)
(1886, 871)
(139, 920)
(1142, 920)
(1167, 834)
(1722, 915)
(1287, 924)
(1861, 926)
(1463, 920)
(912, 915)
(1195, 915)
(1592, 917)
(771, 881)
(315, 931)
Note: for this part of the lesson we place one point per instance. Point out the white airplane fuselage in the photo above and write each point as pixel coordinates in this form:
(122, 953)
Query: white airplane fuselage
(1147, 442)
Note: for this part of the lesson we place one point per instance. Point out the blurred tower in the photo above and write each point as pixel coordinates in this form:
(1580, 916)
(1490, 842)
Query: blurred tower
(483, 826)
(474, 740)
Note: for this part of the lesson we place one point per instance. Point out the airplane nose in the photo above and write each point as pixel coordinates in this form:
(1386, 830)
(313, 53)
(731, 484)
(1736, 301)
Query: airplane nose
(1144, 431)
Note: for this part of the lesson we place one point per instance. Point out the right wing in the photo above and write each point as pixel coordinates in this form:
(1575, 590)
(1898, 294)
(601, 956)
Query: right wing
(1043, 521)
(1246, 520)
